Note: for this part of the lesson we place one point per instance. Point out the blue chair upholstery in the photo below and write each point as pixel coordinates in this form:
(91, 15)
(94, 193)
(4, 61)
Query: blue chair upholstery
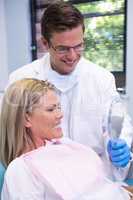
(129, 181)
(2, 172)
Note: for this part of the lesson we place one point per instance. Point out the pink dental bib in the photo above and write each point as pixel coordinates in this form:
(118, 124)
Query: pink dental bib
(70, 170)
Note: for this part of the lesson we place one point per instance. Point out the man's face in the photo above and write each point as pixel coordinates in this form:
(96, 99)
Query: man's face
(65, 49)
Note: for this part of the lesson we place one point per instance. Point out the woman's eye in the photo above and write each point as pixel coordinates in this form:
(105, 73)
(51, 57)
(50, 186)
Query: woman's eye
(50, 109)
(54, 108)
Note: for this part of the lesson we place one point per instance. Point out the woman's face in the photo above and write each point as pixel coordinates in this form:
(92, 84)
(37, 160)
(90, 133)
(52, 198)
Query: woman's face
(45, 120)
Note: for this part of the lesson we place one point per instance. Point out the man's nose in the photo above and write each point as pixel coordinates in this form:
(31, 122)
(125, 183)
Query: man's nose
(72, 54)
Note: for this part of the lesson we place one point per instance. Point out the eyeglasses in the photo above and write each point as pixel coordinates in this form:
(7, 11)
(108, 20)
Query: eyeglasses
(65, 49)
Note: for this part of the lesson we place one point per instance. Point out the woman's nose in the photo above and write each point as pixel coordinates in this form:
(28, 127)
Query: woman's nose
(59, 114)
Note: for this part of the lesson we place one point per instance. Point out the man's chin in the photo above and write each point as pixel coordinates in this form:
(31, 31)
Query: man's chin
(67, 69)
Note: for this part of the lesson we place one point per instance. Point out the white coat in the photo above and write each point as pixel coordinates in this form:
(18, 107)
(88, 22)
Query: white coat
(84, 95)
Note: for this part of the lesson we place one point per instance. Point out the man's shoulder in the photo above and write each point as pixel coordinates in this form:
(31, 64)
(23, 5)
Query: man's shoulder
(96, 77)
(29, 70)
(91, 69)
(25, 71)
(26, 68)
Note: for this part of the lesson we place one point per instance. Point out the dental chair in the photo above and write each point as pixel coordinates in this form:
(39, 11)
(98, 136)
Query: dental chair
(2, 168)
(2, 172)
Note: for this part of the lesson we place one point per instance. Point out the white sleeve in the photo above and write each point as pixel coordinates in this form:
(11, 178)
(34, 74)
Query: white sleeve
(21, 184)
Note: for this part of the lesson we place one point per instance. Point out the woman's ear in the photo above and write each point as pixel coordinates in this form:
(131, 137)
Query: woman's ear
(45, 43)
(27, 122)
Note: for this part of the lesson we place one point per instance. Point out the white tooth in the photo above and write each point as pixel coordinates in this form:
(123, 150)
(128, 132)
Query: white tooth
(58, 126)
(69, 62)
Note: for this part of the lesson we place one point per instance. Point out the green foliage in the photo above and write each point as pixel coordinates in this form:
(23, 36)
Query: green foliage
(101, 6)
(104, 36)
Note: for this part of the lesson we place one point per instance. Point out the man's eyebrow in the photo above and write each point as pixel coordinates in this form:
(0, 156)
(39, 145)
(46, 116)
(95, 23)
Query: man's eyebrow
(70, 46)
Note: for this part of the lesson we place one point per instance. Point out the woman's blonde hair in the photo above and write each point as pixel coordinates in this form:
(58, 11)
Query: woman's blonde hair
(19, 99)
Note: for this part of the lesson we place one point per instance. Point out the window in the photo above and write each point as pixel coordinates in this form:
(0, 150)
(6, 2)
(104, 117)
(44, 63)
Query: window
(105, 22)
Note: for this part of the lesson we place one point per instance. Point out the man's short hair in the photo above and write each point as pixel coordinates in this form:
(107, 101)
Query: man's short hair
(59, 17)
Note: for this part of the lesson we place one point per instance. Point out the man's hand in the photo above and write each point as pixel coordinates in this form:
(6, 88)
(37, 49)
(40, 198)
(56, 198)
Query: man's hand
(119, 152)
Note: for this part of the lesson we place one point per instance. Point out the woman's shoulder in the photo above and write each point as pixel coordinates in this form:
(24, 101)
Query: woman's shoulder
(16, 166)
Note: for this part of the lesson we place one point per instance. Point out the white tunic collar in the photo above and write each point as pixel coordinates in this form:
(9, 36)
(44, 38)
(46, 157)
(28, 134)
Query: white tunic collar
(63, 82)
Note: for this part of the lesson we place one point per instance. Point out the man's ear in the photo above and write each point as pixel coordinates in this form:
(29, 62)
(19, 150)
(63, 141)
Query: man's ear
(45, 42)
(27, 122)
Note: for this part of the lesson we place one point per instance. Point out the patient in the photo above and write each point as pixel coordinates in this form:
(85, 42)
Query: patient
(42, 165)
